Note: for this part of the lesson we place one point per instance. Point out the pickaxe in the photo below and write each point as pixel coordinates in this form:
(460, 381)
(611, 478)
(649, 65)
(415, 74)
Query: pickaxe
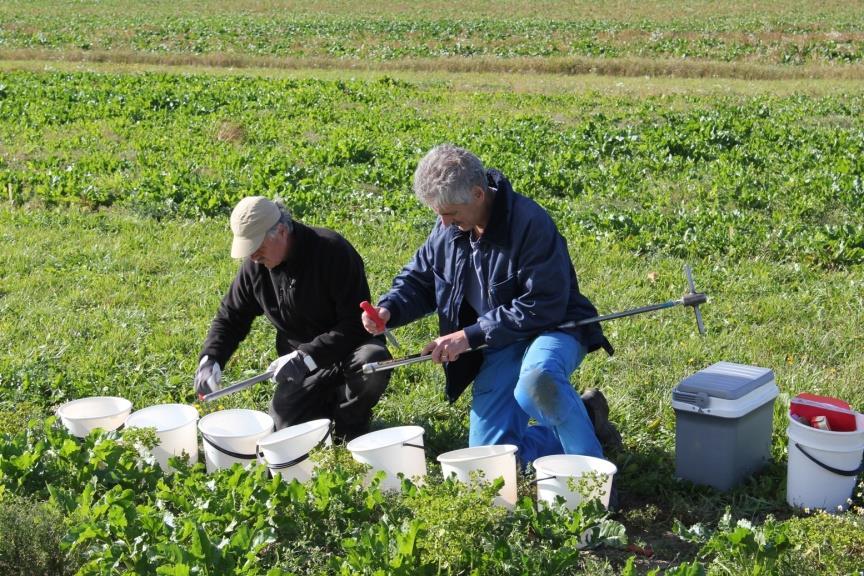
(691, 298)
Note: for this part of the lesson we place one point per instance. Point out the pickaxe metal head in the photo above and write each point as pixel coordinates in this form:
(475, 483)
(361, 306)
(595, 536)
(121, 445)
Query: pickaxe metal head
(694, 298)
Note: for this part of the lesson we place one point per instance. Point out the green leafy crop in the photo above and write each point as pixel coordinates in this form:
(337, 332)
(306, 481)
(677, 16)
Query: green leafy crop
(762, 177)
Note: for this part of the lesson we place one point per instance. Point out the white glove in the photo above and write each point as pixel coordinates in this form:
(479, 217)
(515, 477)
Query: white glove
(292, 367)
(208, 377)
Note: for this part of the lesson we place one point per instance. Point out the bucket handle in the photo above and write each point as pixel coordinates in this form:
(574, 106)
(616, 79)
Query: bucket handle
(536, 480)
(414, 445)
(295, 461)
(226, 451)
(831, 468)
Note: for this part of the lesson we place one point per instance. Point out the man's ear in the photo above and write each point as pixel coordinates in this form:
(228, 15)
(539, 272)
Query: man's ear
(479, 193)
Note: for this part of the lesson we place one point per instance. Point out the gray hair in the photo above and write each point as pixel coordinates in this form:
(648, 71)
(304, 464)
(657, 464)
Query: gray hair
(284, 218)
(447, 175)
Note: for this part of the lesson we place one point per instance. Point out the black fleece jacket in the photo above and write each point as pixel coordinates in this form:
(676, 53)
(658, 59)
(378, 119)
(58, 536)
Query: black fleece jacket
(312, 299)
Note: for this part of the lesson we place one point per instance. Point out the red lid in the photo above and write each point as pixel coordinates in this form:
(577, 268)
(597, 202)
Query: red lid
(840, 416)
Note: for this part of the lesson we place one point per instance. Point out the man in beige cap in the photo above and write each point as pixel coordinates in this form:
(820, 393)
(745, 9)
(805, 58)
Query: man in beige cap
(308, 282)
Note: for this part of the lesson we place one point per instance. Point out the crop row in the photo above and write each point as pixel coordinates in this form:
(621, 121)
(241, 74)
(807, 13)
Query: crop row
(121, 515)
(364, 38)
(774, 177)
(104, 507)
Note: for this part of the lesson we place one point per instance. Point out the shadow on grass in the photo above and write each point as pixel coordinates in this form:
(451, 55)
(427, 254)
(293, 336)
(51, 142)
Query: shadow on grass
(647, 478)
(651, 499)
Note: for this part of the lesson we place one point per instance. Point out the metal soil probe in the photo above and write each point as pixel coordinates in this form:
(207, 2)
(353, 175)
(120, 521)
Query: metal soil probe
(236, 387)
(691, 298)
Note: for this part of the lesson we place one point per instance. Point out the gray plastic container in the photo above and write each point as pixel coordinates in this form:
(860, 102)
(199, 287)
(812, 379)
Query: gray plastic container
(724, 416)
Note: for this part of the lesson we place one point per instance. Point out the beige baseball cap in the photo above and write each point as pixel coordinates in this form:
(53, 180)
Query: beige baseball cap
(250, 221)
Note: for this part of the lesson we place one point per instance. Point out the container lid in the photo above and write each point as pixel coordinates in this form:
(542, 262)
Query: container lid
(726, 380)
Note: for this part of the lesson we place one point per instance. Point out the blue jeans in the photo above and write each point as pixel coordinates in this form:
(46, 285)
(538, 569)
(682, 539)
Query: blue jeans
(531, 379)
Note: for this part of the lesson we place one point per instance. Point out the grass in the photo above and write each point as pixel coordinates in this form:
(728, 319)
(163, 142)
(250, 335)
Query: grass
(123, 309)
(486, 82)
(32, 532)
(614, 10)
(716, 170)
(756, 184)
(767, 40)
(489, 65)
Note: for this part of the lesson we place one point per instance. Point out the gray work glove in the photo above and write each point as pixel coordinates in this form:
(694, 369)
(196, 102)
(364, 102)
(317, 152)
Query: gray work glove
(208, 377)
(292, 367)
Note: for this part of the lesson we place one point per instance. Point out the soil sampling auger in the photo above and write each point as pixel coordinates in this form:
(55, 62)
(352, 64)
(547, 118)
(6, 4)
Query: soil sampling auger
(691, 298)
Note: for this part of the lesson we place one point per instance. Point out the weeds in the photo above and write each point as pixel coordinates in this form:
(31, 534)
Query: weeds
(32, 533)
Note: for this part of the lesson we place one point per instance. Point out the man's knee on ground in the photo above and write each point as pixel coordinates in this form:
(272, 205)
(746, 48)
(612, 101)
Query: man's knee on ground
(369, 385)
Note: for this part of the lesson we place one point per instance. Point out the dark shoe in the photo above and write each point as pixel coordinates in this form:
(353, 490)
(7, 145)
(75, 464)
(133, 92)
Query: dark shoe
(598, 411)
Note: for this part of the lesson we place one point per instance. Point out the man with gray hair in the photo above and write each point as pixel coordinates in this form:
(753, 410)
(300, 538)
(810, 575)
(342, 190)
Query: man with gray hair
(497, 271)
(308, 282)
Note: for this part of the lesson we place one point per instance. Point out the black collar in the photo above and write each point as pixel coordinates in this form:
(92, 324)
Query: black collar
(301, 246)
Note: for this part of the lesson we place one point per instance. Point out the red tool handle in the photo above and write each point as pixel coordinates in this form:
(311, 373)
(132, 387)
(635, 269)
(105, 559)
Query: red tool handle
(373, 314)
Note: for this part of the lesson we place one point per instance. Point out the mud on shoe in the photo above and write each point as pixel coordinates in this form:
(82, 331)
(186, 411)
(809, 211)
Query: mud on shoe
(598, 411)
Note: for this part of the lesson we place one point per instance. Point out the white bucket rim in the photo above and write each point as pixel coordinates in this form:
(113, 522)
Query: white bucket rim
(124, 402)
(294, 431)
(357, 445)
(549, 465)
(259, 416)
(130, 421)
(476, 453)
(827, 441)
(859, 420)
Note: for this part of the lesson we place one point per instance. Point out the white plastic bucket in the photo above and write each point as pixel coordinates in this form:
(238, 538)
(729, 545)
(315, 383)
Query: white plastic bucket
(823, 465)
(286, 452)
(554, 474)
(393, 450)
(231, 437)
(85, 414)
(492, 461)
(175, 428)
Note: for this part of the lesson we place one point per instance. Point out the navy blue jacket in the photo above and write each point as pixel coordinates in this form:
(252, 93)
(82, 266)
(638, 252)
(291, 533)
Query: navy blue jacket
(532, 286)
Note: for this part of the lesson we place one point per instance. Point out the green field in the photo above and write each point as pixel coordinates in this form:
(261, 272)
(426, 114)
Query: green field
(129, 130)
(778, 39)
